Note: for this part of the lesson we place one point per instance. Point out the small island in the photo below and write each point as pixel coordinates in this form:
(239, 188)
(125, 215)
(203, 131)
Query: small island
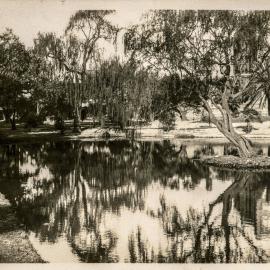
(234, 162)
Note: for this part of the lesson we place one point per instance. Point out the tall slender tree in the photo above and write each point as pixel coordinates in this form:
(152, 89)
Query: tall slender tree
(74, 53)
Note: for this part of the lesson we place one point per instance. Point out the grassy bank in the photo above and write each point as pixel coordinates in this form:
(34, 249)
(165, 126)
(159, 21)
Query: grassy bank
(14, 242)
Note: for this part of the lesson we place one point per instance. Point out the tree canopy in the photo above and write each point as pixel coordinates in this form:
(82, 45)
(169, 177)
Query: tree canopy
(220, 52)
(14, 77)
(175, 60)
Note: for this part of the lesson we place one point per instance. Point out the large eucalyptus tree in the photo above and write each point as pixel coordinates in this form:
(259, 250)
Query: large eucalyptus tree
(218, 51)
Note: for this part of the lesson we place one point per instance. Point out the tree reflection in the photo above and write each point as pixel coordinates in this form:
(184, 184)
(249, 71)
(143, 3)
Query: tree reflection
(71, 188)
(236, 232)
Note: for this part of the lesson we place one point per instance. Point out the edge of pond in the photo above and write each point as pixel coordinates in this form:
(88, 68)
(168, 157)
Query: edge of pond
(14, 241)
(255, 164)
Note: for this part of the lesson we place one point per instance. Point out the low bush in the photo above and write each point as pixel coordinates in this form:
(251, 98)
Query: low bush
(59, 124)
(168, 120)
(32, 120)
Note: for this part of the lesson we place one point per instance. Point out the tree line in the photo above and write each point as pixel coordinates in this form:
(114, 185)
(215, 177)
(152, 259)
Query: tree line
(174, 61)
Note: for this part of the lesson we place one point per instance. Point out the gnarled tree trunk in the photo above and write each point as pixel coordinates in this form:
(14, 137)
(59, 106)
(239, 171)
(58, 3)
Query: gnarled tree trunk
(225, 125)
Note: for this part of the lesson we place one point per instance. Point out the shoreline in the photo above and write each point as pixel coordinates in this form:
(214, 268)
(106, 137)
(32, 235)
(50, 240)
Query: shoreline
(14, 241)
(148, 134)
(259, 163)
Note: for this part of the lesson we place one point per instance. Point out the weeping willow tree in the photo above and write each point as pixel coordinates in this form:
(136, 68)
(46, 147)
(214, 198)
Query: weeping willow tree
(73, 54)
(121, 91)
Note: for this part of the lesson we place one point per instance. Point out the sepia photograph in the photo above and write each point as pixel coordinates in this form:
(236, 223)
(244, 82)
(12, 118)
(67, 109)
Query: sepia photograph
(134, 133)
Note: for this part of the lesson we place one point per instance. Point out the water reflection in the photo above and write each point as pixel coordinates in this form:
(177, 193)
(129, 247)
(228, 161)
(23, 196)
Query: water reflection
(121, 201)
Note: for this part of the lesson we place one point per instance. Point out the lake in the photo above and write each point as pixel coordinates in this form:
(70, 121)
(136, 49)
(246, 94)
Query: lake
(140, 201)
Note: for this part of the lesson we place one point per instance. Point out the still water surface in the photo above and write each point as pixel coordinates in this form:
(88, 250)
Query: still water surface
(121, 201)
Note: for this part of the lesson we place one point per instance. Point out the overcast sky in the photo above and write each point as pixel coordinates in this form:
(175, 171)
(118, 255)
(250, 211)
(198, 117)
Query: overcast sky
(27, 18)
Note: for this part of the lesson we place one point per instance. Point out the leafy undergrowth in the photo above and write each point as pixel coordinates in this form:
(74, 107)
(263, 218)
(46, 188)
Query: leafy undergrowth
(233, 162)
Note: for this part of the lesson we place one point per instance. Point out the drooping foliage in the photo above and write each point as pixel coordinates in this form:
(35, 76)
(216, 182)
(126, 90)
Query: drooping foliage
(120, 91)
(73, 55)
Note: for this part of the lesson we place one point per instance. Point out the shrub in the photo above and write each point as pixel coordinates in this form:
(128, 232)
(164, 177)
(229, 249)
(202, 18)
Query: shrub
(59, 124)
(205, 118)
(251, 115)
(32, 120)
(248, 128)
(168, 120)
